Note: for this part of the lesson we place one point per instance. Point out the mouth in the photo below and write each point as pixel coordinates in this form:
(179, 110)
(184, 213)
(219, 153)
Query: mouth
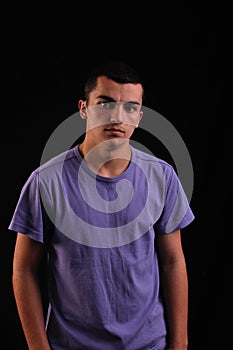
(114, 130)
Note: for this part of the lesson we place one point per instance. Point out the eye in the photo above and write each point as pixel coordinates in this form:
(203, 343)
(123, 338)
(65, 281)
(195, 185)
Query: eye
(106, 105)
(131, 107)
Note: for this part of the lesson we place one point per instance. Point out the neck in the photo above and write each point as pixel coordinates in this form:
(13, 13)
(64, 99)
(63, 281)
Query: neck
(107, 159)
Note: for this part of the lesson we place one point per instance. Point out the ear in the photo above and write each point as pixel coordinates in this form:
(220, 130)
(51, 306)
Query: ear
(82, 106)
(139, 118)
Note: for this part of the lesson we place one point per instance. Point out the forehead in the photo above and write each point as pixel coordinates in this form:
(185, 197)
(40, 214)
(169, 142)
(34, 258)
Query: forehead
(116, 91)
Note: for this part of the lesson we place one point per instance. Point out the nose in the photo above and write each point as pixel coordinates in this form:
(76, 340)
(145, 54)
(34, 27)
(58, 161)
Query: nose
(117, 114)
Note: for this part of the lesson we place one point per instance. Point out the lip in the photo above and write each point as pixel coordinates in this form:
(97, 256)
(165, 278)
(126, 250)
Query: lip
(114, 131)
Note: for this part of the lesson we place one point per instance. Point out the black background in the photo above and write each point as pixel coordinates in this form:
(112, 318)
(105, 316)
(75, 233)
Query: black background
(182, 53)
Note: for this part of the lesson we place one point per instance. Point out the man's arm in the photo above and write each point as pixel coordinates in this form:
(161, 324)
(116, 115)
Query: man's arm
(27, 258)
(174, 284)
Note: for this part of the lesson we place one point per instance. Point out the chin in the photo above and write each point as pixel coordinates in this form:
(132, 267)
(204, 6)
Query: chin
(115, 143)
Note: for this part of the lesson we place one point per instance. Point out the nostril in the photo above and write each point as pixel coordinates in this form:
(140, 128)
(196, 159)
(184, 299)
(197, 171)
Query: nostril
(115, 121)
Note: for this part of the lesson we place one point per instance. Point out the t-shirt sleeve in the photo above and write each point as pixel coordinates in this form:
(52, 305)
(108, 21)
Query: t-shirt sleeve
(27, 217)
(176, 213)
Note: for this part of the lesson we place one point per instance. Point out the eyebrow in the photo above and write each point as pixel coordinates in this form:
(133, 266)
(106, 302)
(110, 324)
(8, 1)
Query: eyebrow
(110, 99)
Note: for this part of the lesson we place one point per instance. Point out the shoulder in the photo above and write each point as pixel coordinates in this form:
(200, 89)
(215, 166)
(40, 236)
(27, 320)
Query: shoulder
(55, 161)
(149, 160)
(52, 168)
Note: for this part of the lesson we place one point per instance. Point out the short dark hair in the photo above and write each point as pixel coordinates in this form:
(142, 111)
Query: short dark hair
(119, 72)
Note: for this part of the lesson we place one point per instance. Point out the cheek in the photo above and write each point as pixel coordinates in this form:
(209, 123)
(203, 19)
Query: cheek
(93, 124)
(129, 129)
(93, 130)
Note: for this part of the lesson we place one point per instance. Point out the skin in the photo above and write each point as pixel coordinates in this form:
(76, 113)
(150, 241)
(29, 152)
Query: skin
(107, 152)
(111, 138)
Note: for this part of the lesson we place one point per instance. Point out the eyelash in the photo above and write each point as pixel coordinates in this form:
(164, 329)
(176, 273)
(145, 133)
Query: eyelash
(128, 107)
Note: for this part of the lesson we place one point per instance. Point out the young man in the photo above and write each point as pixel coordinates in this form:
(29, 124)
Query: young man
(109, 218)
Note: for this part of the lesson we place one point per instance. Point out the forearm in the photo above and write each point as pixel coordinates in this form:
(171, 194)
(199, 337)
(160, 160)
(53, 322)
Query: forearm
(30, 309)
(175, 292)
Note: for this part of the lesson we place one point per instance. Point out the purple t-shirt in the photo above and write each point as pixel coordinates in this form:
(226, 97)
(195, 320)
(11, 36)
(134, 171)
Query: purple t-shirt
(99, 232)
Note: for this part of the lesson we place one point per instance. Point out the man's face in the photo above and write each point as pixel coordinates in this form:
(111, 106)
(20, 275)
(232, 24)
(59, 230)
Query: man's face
(113, 111)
